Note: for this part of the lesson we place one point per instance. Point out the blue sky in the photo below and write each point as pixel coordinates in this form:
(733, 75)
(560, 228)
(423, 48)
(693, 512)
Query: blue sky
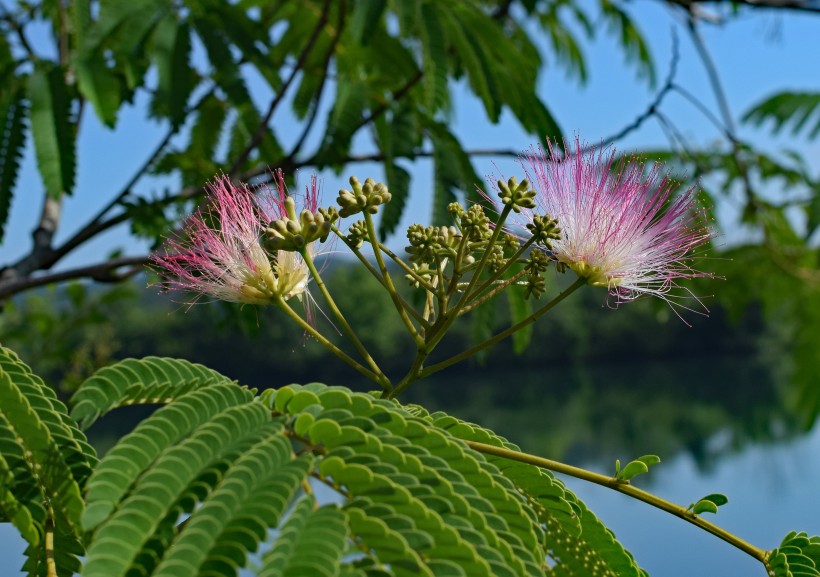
(756, 55)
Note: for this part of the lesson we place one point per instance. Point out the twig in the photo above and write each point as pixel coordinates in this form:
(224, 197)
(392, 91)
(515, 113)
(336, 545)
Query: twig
(797, 5)
(723, 104)
(653, 106)
(101, 272)
(263, 125)
(625, 488)
(314, 113)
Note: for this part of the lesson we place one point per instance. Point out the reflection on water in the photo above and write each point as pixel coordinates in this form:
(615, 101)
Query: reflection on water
(702, 407)
(720, 424)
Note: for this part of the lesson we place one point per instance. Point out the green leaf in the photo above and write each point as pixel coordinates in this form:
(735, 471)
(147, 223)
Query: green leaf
(409, 482)
(123, 536)
(474, 59)
(249, 36)
(395, 137)
(13, 113)
(44, 465)
(139, 381)
(632, 41)
(171, 48)
(709, 503)
(704, 507)
(520, 309)
(366, 17)
(52, 129)
(575, 538)
(139, 449)
(434, 56)
(483, 321)
(788, 108)
(797, 556)
(255, 491)
(344, 119)
(398, 182)
(637, 467)
(205, 136)
(311, 542)
(99, 85)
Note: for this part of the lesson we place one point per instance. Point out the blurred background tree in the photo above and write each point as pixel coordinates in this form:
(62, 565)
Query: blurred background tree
(114, 114)
(240, 87)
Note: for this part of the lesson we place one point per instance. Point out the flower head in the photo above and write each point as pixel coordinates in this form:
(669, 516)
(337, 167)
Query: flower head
(220, 250)
(620, 226)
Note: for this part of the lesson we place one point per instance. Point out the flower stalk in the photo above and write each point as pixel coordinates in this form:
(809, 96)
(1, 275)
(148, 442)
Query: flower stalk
(380, 378)
(625, 488)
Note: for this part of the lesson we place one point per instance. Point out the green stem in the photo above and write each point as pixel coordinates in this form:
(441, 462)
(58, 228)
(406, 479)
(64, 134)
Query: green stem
(505, 333)
(484, 257)
(625, 488)
(280, 302)
(317, 278)
(448, 317)
(391, 289)
(510, 261)
(412, 375)
(478, 301)
(395, 258)
(378, 276)
(441, 289)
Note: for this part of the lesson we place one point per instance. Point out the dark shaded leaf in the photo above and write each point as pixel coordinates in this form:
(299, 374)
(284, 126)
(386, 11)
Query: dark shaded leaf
(13, 113)
(52, 129)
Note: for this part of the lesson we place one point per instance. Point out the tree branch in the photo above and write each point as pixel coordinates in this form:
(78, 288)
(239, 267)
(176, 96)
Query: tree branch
(100, 272)
(723, 104)
(263, 125)
(314, 113)
(811, 7)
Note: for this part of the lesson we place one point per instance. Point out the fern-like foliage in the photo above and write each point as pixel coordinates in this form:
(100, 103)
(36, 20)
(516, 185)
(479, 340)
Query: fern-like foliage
(219, 473)
(798, 109)
(134, 382)
(303, 480)
(797, 556)
(45, 462)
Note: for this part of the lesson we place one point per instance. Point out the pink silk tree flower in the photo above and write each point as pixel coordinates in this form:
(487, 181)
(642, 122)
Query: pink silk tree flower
(621, 226)
(219, 251)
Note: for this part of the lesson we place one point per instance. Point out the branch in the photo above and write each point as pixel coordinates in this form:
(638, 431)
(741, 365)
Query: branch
(811, 7)
(19, 29)
(723, 103)
(626, 489)
(101, 272)
(655, 104)
(263, 125)
(314, 113)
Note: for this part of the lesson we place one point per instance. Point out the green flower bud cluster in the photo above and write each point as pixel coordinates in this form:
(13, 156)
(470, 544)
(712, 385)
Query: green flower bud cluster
(455, 209)
(474, 223)
(357, 233)
(495, 258)
(293, 233)
(511, 243)
(516, 195)
(537, 262)
(367, 197)
(427, 243)
(421, 271)
(545, 229)
(535, 286)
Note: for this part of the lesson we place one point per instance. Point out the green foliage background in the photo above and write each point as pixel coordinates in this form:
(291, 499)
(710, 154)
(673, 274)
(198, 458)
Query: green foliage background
(388, 67)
